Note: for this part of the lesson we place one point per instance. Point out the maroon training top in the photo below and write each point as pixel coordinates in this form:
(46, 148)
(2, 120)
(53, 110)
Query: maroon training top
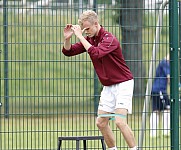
(107, 58)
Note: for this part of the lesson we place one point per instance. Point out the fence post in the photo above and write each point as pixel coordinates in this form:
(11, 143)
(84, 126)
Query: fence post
(174, 94)
(180, 38)
(0, 80)
(5, 43)
(96, 92)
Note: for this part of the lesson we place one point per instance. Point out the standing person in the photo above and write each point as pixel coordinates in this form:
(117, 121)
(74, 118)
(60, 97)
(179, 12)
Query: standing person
(160, 99)
(106, 55)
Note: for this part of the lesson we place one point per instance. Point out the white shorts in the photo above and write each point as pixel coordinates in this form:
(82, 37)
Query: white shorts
(117, 96)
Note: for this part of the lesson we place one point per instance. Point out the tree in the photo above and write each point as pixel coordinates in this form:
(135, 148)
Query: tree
(131, 26)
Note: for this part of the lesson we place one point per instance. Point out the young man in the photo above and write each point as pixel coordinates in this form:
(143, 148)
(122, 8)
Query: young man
(160, 99)
(106, 55)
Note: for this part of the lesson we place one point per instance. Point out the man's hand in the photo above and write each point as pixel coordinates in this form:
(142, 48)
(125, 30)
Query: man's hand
(68, 32)
(77, 31)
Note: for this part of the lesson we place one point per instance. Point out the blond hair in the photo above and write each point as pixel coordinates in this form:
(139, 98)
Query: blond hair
(88, 15)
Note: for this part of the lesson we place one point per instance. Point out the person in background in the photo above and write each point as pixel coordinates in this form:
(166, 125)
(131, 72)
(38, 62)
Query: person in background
(160, 98)
(117, 80)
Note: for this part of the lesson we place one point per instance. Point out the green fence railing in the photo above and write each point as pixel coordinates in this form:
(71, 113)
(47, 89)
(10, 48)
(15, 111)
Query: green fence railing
(44, 95)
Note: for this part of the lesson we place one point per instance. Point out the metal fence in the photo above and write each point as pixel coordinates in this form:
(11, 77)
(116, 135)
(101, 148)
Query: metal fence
(45, 95)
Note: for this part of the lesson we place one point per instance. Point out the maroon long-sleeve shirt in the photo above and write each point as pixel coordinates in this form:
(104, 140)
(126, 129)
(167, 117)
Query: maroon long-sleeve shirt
(106, 56)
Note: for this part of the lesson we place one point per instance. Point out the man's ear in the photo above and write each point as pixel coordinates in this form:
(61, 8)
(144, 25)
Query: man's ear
(96, 23)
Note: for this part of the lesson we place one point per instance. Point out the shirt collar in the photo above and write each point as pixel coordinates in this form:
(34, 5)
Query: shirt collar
(100, 34)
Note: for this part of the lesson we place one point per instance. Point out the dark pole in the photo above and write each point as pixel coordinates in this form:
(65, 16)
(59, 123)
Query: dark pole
(5, 32)
(180, 38)
(95, 5)
(96, 89)
(174, 78)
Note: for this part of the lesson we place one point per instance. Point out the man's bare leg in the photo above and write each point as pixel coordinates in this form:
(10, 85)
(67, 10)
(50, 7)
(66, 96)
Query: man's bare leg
(103, 125)
(121, 123)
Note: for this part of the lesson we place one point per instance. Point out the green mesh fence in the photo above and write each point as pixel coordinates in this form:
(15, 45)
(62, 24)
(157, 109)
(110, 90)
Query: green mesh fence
(45, 95)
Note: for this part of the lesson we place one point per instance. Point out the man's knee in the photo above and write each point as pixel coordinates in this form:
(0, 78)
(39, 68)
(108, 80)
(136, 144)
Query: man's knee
(101, 122)
(121, 123)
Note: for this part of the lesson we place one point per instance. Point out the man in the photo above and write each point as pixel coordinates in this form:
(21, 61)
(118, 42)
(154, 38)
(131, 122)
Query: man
(160, 99)
(106, 55)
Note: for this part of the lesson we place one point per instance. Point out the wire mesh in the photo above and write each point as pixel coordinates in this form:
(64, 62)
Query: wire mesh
(45, 95)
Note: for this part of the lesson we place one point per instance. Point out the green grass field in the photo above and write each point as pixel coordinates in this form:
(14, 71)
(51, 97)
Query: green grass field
(40, 130)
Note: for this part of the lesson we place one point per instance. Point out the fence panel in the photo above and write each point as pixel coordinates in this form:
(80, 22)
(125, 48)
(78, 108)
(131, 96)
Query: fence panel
(44, 94)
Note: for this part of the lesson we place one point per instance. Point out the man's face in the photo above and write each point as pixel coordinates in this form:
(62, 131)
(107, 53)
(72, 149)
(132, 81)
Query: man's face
(90, 29)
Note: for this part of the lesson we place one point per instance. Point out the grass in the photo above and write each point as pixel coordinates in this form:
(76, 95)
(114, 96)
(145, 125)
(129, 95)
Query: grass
(41, 131)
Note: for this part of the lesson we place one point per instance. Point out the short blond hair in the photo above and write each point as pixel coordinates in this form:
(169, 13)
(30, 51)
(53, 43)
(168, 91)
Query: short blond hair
(88, 15)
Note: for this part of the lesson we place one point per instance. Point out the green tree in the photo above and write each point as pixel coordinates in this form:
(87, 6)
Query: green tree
(131, 26)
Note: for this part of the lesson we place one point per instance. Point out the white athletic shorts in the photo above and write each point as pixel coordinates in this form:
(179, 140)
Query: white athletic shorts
(117, 96)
